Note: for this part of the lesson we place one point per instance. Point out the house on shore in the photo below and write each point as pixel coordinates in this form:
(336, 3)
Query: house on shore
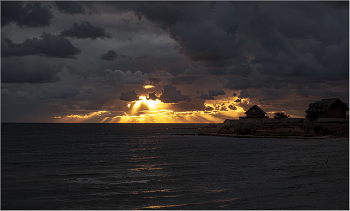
(328, 108)
(255, 112)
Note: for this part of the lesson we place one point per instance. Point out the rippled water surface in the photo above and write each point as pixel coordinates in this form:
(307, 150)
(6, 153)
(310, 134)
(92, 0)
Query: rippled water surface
(151, 166)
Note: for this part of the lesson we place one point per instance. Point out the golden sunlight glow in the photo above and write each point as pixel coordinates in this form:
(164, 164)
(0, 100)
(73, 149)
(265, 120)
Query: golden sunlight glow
(78, 118)
(152, 104)
(199, 203)
(154, 111)
(148, 86)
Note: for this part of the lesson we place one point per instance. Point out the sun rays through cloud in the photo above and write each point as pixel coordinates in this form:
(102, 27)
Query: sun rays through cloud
(146, 110)
(197, 62)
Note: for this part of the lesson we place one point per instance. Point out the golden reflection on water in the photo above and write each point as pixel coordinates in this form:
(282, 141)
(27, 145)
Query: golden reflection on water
(157, 197)
(163, 206)
(199, 203)
(147, 166)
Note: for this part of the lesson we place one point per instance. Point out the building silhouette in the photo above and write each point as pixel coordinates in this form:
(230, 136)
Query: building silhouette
(255, 112)
(328, 108)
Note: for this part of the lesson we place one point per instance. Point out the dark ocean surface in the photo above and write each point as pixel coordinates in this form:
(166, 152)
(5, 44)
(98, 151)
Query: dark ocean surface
(150, 166)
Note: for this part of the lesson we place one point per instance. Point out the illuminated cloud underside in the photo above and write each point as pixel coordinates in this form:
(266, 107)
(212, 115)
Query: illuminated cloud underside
(91, 61)
(155, 111)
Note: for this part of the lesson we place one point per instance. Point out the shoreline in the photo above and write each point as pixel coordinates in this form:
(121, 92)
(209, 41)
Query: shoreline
(286, 128)
(276, 136)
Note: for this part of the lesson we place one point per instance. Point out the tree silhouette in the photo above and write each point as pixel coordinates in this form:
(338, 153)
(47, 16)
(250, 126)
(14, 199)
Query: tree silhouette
(281, 115)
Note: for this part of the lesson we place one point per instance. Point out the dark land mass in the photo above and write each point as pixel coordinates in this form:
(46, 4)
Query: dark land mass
(284, 128)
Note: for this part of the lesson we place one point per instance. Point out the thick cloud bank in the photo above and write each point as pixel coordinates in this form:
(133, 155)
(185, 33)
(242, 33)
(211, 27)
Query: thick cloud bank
(86, 30)
(109, 56)
(171, 95)
(29, 14)
(215, 57)
(129, 96)
(48, 46)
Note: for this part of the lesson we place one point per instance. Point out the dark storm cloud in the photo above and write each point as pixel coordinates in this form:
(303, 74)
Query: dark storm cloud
(263, 27)
(216, 92)
(183, 80)
(209, 108)
(244, 94)
(152, 96)
(171, 95)
(232, 107)
(300, 46)
(272, 94)
(163, 76)
(129, 96)
(109, 56)
(223, 108)
(332, 66)
(86, 30)
(70, 7)
(244, 105)
(29, 70)
(154, 80)
(75, 69)
(280, 45)
(29, 14)
(283, 53)
(126, 77)
(258, 80)
(190, 106)
(145, 57)
(44, 91)
(103, 86)
(212, 94)
(336, 59)
(238, 83)
(315, 21)
(194, 71)
(63, 91)
(202, 34)
(124, 21)
(335, 4)
(160, 68)
(320, 93)
(206, 97)
(48, 46)
(88, 91)
(125, 57)
(239, 68)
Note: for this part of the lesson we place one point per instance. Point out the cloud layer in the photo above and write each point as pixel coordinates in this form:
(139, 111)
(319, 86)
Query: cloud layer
(215, 57)
(48, 46)
(86, 30)
(28, 14)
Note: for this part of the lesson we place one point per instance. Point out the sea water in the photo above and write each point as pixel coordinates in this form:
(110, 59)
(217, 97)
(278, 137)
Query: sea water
(153, 166)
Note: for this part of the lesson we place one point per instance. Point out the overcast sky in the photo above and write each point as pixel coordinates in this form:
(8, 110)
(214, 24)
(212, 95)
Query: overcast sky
(207, 61)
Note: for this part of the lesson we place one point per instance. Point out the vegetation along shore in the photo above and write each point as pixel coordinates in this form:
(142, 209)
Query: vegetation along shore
(281, 128)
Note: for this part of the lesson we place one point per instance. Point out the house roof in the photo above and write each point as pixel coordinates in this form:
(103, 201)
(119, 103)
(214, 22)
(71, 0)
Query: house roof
(323, 104)
(255, 106)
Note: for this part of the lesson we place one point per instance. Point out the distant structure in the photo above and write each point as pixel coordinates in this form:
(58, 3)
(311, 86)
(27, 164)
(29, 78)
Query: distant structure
(255, 112)
(328, 108)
